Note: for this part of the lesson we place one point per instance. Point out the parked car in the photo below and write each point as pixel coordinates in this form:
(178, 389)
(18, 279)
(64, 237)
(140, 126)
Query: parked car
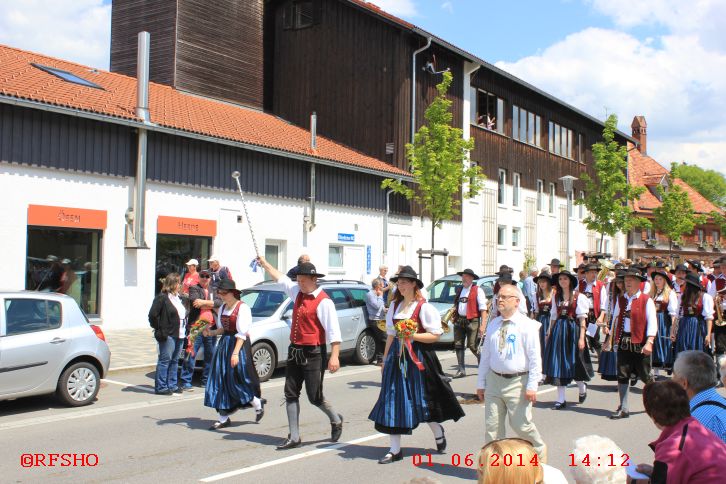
(442, 292)
(47, 345)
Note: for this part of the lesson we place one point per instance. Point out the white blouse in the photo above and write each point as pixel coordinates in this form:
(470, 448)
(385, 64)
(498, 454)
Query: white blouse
(244, 319)
(581, 310)
(182, 311)
(708, 307)
(429, 317)
(672, 303)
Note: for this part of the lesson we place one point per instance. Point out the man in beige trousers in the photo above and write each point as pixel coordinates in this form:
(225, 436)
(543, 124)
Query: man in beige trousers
(510, 370)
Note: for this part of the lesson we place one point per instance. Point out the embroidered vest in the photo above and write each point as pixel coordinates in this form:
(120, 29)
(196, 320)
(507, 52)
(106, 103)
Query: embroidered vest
(638, 320)
(567, 309)
(472, 306)
(594, 296)
(306, 328)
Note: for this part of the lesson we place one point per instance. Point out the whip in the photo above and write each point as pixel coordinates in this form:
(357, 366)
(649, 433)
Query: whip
(236, 175)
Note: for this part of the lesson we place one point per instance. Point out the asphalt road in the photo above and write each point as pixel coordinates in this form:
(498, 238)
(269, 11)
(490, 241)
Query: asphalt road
(131, 434)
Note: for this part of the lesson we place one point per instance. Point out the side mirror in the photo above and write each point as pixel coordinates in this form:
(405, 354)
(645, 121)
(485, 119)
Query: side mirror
(287, 314)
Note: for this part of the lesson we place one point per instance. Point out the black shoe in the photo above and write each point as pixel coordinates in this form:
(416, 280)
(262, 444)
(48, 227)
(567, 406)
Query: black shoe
(289, 444)
(559, 405)
(163, 392)
(583, 396)
(219, 425)
(633, 381)
(459, 374)
(389, 457)
(261, 412)
(336, 429)
(177, 391)
(441, 442)
(620, 414)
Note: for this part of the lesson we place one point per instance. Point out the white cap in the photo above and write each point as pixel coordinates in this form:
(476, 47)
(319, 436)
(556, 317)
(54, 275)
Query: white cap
(213, 258)
(66, 261)
(192, 262)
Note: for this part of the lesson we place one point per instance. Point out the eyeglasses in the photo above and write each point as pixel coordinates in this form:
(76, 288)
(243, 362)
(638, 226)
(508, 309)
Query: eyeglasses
(504, 298)
(205, 276)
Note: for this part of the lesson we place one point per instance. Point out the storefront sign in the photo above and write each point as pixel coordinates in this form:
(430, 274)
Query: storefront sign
(346, 237)
(79, 218)
(186, 226)
(368, 259)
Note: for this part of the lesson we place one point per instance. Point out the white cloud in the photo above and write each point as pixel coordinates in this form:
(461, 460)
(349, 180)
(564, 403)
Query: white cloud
(448, 6)
(402, 8)
(677, 80)
(77, 30)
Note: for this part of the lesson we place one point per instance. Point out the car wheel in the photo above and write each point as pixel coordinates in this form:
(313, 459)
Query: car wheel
(365, 348)
(78, 385)
(263, 357)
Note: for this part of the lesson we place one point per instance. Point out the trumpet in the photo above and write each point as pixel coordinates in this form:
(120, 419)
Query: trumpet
(718, 302)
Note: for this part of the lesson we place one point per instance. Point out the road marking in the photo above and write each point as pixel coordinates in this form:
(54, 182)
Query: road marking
(291, 458)
(128, 385)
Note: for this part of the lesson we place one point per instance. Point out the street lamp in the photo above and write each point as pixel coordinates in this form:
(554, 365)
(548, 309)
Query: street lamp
(567, 182)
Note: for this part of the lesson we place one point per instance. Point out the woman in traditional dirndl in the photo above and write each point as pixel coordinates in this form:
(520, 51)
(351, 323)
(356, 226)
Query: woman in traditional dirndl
(233, 382)
(413, 389)
(544, 293)
(566, 355)
(666, 306)
(607, 364)
(695, 321)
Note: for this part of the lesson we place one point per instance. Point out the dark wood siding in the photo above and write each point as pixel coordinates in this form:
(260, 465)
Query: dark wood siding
(43, 139)
(342, 187)
(219, 49)
(158, 17)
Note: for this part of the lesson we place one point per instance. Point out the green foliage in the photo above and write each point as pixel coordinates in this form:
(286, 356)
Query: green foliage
(530, 262)
(676, 217)
(720, 220)
(609, 196)
(709, 183)
(437, 162)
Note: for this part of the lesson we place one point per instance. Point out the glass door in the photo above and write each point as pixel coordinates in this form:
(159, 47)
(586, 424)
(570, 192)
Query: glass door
(172, 252)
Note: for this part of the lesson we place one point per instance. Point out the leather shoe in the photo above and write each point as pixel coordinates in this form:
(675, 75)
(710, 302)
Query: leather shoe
(219, 425)
(633, 381)
(336, 429)
(261, 412)
(583, 396)
(441, 442)
(459, 374)
(559, 405)
(163, 392)
(389, 457)
(620, 414)
(289, 444)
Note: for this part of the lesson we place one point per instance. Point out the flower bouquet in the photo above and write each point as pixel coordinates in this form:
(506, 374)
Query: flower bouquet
(194, 332)
(405, 329)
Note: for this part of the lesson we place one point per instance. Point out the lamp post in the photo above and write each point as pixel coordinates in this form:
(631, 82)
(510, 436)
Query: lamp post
(567, 182)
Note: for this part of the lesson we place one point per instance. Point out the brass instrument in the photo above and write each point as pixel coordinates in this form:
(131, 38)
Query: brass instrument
(719, 321)
(607, 266)
(449, 319)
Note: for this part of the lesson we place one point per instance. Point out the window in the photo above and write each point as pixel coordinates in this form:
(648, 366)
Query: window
(487, 110)
(526, 126)
(501, 235)
(172, 252)
(31, 315)
(515, 189)
(515, 236)
(552, 198)
(67, 76)
(540, 195)
(340, 298)
(582, 207)
(66, 261)
(715, 237)
(580, 148)
(297, 15)
(606, 245)
(359, 297)
(561, 140)
(335, 256)
(501, 189)
(701, 236)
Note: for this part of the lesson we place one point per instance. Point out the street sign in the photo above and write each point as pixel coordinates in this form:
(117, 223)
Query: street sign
(346, 237)
(368, 259)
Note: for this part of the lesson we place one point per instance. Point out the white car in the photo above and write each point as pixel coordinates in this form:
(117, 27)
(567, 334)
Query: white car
(47, 346)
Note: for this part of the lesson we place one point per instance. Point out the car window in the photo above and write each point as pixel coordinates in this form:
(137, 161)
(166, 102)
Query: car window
(340, 297)
(31, 315)
(263, 303)
(488, 287)
(359, 296)
(443, 291)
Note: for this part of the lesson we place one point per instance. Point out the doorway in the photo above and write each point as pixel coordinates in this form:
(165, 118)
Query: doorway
(275, 255)
(172, 252)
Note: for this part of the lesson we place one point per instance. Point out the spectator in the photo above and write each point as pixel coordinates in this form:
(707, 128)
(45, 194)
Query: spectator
(376, 313)
(218, 272)
(529, 288)
(685, 451)
(191, 278)
(385, 284)
(292, 273)
(168, 318)
(68, 277)
(520, 283)
(491, 468)
(598, 451)
(203, 303)
(695, 371)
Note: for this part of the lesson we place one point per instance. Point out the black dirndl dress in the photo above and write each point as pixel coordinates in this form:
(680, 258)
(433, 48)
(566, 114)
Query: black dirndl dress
(563, 362)
(607, 364)
(662, 350)
(410, 396)
(691, 329)
(231, 388)
(543, 317)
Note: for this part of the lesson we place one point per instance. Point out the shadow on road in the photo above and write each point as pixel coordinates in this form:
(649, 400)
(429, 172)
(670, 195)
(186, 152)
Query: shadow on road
(362, 385)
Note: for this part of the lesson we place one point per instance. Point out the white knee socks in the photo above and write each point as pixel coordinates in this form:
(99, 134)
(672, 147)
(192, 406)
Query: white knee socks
(561, 394)
(395, 444)
(581, 387)
(223, 418)
(256, 403)
(437, 429)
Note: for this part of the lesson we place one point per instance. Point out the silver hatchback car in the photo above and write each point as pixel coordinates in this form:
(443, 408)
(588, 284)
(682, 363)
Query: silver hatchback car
(47, 345)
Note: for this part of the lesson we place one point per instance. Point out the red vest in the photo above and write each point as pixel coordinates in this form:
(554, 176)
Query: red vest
(711, 277)
(569, 307)
(642, 286)
(229, 322)
(596, 289)
(638, 321)
(306, 328)
(472, 306)
(720, 283)
(414, 315)
(693, 310)
(704, 283)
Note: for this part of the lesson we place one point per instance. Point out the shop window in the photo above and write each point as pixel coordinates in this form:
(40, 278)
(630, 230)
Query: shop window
(335, 256)
(172, 252)
(66, 261)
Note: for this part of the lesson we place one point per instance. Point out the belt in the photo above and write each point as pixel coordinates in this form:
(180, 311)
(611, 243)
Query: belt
(511, 375)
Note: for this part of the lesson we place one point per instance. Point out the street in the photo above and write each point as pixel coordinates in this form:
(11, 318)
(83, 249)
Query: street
(141, 437)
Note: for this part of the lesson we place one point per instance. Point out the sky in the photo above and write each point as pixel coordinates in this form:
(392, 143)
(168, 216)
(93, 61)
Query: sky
(662, 59)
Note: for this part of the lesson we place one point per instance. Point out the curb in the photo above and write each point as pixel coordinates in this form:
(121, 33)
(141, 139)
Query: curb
(121, 369)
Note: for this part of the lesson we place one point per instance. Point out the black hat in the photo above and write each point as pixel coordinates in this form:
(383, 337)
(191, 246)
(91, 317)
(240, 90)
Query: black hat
(664, 276)
(634, 271)
(307, 269)
(556, 262)
(620, 274)
(408, 273)
(573, 278)
(504, 269)
(695, 264)
(640, 266)
(469, 272)
(592, 267)
(506, 278)
(544, 276)
(619, 266)
(694, 280)
(680, 267)
(228, 285)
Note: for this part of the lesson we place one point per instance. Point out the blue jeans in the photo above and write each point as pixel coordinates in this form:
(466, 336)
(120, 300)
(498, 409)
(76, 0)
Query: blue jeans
(167, 365)
(208, 342)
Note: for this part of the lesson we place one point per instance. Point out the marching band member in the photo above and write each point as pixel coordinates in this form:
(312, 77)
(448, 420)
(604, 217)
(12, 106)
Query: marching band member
(694, 325)
(607, 363)
(696, 268)
(471, 309)
(596, 295)
(679, 283)
(666, 305)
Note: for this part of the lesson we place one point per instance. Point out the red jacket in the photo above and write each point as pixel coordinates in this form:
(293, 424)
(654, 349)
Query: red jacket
(306, 328)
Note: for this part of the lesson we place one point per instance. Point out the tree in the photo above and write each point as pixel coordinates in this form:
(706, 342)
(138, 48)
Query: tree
(675, 216)
(609, 196)
(436, 160)
(709, 183)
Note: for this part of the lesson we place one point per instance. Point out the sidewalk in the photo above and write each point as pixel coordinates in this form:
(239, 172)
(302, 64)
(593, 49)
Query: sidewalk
(133, 348)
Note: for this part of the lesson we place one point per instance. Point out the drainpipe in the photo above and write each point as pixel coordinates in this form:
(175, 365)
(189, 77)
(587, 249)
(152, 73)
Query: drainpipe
(309, 220)
(385, 227)
(138, 209)
(413, 86)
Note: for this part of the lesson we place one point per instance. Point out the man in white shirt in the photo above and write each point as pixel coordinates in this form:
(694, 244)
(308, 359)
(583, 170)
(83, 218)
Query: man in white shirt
(510, 370)
(471, 308)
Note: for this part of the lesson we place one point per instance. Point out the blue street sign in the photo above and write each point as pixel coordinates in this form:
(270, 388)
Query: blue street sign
(368, 259)
(346, 237)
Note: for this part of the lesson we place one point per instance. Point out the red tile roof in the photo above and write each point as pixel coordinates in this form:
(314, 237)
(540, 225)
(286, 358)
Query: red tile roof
(168, 107)
(645, 171)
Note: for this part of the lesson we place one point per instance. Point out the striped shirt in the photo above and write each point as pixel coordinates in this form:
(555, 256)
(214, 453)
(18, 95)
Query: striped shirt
(713, 417)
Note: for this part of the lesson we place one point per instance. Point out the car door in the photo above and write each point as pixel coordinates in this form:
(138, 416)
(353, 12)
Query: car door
(358, 296)
(348, 316)
(33, 343)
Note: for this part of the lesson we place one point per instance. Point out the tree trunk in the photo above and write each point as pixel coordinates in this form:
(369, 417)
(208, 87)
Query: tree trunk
(602, 239)
(670, 250)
